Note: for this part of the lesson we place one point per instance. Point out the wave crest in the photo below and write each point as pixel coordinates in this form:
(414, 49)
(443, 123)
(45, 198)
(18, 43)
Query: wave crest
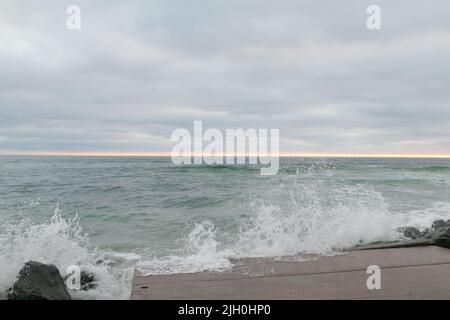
(61, 242)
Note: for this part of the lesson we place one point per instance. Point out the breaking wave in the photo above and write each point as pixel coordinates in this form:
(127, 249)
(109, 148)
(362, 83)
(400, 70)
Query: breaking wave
(62, 243)
(294, 220)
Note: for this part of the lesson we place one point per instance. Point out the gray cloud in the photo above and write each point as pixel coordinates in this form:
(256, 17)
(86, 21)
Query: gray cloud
(137, 70)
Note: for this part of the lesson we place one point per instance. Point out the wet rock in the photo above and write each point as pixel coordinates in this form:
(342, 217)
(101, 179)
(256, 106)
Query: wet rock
(411, 232)
(437, 235)
(38, 281)
(438, 224)
(428, 233)
(88, 281)
(442, 238)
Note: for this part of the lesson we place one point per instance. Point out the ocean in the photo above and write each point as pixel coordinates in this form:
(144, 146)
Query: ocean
(110, 215)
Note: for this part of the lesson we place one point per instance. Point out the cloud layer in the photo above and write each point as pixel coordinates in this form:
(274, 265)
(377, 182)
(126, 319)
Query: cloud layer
(138, 70)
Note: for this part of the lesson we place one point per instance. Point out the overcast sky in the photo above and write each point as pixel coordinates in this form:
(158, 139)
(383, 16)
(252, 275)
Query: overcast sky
(137, 70)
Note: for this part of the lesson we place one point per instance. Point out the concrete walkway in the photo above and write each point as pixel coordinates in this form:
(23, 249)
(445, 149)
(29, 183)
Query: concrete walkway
(406, 273)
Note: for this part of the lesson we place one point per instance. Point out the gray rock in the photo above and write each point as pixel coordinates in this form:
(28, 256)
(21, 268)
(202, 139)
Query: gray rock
(87, 281)
(411, 232)
(428, 233)
(38, 281)
(438, 235)
(438, 224)
(442, 238)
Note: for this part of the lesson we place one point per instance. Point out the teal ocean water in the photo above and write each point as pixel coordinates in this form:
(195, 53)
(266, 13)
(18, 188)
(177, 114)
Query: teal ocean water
(110, 214)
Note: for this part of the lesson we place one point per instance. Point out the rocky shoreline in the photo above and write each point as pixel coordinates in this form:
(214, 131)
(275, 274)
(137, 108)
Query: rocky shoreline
(38, 281)
(438, 235)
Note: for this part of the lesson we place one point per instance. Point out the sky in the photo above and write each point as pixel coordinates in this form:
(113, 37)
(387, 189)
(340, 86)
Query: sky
(137, 70)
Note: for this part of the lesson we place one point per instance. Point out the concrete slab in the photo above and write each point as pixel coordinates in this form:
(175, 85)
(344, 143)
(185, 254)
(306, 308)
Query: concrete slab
(406, 273)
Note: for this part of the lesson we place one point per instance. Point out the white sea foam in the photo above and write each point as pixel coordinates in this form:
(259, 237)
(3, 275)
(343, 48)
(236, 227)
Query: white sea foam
(425, 217)
(296, 221)
(61, 242)
(293, 220)
(200, 253)
(316, 227)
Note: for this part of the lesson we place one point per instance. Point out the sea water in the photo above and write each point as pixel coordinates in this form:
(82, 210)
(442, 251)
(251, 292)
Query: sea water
(110, 215)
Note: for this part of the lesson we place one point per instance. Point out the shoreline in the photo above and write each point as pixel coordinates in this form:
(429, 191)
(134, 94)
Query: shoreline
(421, 272)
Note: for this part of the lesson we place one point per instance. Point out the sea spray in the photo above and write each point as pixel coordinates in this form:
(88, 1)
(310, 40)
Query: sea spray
(301, 220)
(422, 219)
(166, 219)
(61, 242)
(292, 220)
(200, 253)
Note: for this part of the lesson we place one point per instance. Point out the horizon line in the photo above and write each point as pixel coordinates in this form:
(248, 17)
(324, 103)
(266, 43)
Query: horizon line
(281, 154)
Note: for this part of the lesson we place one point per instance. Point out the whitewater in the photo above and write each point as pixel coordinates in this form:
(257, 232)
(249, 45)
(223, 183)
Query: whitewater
(111, 216)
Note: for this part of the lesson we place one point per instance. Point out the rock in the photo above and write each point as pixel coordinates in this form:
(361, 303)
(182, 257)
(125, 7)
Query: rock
(438, 224)
(426, 231)
(438, 235)
(87, 281)
(38, 281)
(411, 233)
(442, 238)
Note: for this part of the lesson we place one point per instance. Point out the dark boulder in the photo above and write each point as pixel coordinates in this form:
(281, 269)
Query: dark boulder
(442, 238)
(438, 224)
(87, 281)
(438, 235)
(411, 232)
(38, 281)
